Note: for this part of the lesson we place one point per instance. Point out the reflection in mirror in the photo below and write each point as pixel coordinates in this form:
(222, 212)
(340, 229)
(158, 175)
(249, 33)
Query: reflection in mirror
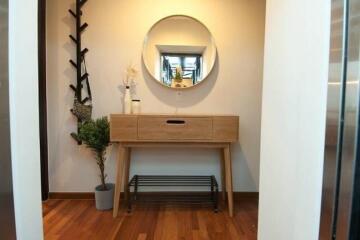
(179, 52)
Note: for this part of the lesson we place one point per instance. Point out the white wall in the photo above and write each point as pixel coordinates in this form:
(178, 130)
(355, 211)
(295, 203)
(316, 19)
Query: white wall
(115, 38)
(293, 118)
(24, 124)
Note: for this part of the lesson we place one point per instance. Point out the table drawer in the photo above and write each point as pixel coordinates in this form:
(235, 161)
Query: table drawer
(174, 128)
(123, 128)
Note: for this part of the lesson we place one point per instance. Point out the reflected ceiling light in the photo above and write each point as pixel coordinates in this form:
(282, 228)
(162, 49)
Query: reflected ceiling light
(348, 82)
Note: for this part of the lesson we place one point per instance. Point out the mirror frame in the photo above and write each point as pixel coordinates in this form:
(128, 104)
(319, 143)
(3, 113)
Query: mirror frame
(215, 55)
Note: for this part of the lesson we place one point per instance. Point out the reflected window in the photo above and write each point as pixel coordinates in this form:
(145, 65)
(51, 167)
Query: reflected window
(181, 70)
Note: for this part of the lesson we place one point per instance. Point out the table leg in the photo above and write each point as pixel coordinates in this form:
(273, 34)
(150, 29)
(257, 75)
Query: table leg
(223, 180)
(126, 174)
(229, 187)
(119, 178)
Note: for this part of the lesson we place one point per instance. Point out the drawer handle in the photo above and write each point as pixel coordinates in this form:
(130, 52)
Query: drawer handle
(177, 122)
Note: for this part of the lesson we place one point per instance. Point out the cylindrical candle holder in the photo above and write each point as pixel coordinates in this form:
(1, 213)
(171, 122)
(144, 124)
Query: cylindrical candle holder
(135, 106)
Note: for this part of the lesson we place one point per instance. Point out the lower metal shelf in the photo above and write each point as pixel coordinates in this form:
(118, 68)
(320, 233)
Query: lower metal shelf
(143, 181)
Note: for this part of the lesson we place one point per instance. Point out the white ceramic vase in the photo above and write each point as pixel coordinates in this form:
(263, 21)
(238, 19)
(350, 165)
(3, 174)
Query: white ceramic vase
(127, 101)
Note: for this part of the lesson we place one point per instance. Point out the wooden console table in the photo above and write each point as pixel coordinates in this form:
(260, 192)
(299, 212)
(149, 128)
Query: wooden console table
(189, 131)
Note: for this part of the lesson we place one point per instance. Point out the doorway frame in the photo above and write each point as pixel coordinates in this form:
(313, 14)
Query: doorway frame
(42, 99)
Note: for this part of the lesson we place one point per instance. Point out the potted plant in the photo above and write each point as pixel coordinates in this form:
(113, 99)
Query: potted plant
(178, 75)
(95, 134)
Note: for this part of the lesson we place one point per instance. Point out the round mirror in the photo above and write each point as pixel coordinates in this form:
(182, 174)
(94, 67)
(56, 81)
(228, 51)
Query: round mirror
(179, 52)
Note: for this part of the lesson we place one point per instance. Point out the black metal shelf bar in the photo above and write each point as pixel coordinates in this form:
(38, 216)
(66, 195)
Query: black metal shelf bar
(172, 185)
(205, 197)
(176, 200)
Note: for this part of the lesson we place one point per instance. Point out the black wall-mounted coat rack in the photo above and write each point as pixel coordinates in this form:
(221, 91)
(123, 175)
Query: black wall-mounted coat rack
(82, 104)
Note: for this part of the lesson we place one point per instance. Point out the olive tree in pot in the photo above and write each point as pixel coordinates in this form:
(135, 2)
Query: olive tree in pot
(95, 134)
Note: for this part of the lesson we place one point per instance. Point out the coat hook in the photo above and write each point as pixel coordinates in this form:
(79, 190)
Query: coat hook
(72, 13)
(73, 38)
(72, 87)
(82, 2)
(82, 28)
(83, 77)
(73, 63)
(84, 51)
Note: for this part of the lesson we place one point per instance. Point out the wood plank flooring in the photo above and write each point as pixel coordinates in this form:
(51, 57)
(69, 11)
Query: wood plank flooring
(78, 219)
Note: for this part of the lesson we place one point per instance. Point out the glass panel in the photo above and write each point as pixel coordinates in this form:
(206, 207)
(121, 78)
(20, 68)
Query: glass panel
(350, 123)
(180, 71)
(7, 218)
(332, 119)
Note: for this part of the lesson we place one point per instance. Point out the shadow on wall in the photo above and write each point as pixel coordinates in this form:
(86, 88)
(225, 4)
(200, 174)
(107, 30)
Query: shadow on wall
(243, 175)
(189, 96)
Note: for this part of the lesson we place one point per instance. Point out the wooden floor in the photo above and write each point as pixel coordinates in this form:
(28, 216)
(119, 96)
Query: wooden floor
(78, 219)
